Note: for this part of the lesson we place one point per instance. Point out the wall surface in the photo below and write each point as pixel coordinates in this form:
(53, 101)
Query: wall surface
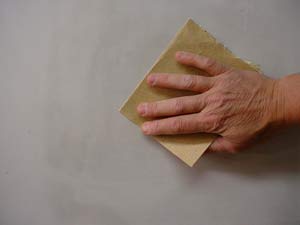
(68, 157)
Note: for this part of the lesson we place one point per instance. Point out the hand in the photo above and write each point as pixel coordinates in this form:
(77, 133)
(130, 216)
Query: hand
(237, 105)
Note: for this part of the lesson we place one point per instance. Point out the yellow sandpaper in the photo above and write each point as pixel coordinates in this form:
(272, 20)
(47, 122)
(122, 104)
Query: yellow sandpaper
(192, 38)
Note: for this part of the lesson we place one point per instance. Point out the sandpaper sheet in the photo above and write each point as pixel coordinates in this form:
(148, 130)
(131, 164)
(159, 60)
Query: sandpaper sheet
(191, 37)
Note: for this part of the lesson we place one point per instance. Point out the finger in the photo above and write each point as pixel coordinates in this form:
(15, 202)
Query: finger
(221, 144)
(175, 125)
(209, 65)
(172, 107)
(181, 81)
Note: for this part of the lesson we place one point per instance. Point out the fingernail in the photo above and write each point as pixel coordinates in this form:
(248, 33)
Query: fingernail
(146, 128)
(151, 80)
(142, 108)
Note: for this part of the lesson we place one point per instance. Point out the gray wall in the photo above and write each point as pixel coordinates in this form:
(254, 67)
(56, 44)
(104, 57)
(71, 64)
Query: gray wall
(68, 157)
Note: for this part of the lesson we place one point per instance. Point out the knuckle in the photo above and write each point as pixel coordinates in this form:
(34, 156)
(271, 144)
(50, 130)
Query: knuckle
(214, 123)
(220, 80)
(155, 127)
(152, 109)
(219, 99)
(189, 82)
(204, 98)
(199, 103)
(217, 123)
(177, 125)
(209, 63)
(179, 106)
(230, 75)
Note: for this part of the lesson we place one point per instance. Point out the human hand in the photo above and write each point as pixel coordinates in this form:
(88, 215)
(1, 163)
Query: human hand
(237, 105)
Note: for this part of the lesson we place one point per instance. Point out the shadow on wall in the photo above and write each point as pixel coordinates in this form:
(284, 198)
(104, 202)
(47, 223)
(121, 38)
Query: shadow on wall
(277, 155)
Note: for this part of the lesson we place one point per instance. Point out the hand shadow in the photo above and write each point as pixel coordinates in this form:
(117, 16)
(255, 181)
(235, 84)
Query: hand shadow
(279, 154)
(276, 155)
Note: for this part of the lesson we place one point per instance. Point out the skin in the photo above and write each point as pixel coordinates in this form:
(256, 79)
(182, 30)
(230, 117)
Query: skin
(237, 105)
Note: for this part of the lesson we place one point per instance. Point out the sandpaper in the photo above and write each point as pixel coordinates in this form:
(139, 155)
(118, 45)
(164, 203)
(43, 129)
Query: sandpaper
(192, 38)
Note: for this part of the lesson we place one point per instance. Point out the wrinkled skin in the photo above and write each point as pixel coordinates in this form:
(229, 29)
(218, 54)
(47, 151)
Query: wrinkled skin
(237, 105)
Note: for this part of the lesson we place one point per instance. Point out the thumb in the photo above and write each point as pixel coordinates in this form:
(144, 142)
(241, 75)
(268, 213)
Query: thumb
(222, 144)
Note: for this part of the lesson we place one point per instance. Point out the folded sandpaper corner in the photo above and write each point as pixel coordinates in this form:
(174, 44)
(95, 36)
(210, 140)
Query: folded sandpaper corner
(192, 38)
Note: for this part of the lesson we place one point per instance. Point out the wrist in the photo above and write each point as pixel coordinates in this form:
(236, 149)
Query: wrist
(276, 107)
(289, 99)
